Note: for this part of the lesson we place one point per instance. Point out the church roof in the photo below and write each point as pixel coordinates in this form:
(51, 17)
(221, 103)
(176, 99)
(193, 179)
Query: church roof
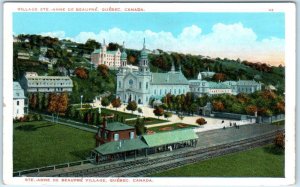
(169, 78)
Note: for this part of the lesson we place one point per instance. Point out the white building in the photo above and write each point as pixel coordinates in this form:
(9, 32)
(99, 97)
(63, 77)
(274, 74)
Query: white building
(108, 58)
(23, 55)
(141, 85)
(201, 87)
(32, 82)
(19, 105)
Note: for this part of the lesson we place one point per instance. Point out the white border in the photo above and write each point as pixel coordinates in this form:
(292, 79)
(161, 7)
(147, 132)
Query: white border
(290, 55)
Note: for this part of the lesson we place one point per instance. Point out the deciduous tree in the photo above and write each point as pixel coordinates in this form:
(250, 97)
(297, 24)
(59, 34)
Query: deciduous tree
(116, 103)
(131, 106)
(158, 112)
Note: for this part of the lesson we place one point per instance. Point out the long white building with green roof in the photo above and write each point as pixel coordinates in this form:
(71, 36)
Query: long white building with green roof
(141, 85)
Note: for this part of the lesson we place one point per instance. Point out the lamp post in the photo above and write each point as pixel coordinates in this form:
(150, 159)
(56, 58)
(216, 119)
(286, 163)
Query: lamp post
(81, 101)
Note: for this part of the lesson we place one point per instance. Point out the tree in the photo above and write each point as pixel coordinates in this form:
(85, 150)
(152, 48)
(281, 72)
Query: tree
(131, 106)
(218, 106)
(116, 103)
(193, 108)
(168, 115)
(140, 110)
(103, 70)
(219, 77)
(62, 103)
(158, 112)
(52, 103)
(92, 44)
(33, 101)
(202, 101)
(201, 121)
(81, 73)
(140, 127)
(105, 102)
(251, 109)
(279, 140)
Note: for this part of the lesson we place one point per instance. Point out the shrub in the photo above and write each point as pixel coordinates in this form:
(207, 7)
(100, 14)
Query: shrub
(201, 121)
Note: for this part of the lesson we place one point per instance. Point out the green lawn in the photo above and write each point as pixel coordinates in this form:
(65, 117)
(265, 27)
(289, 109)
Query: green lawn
(148, 121)
(42, 143)
(173, 126)
(258, 162)
(117, 113)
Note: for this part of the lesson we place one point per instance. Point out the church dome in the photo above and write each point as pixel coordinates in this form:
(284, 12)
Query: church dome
(124, 55)
(144, 53)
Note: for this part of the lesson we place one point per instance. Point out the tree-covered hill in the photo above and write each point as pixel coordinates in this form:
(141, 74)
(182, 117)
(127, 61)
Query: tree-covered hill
(70, 55)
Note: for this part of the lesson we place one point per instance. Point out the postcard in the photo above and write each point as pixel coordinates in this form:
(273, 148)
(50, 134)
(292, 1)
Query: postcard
(149, 94)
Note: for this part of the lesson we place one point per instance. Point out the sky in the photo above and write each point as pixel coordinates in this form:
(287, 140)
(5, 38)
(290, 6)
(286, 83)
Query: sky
(257, 37)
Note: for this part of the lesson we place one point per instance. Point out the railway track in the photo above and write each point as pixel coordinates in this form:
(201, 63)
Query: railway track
(147, 166)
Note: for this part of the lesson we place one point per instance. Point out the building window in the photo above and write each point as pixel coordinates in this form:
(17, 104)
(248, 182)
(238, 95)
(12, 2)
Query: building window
(155, 92)
(131, 135)
(140, 85)
(119, 84)
(116, 137)
(160, 92)
(130, 82)
(179, 91)
(17, 111)
(146, 85)
(18, 102)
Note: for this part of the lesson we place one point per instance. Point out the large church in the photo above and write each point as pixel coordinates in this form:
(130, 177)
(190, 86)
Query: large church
(141, 85)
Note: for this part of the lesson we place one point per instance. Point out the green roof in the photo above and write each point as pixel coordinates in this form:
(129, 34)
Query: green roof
(18, 91)
(169, 137)
(117, 126)
(220, 85)
(169, 78)
(121, 146)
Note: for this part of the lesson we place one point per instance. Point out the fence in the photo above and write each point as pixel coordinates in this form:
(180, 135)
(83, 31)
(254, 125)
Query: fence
(270, 119)
(231, 116)
(51, 167)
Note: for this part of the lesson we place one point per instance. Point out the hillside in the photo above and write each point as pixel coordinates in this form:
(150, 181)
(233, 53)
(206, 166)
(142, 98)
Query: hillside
(69, 55)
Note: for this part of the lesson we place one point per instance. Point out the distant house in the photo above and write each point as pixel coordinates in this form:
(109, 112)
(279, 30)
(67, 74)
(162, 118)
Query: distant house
(43, 50)
(16, 39)
(19, 103)
(32, 82)
(44, 59)
(23, 55)
(87, 56)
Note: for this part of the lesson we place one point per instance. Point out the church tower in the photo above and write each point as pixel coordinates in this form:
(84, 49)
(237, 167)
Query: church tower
(123, 57)
(144, 63)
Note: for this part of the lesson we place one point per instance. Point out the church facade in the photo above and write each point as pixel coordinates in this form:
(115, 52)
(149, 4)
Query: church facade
(142, 85)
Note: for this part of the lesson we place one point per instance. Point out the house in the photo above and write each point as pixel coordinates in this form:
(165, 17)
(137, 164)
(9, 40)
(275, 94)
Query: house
(32, 83)
(112, 132)
(23, 55)
(19, 101)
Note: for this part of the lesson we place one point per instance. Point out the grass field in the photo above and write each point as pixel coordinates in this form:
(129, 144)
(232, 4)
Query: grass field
(119, 113)
(148, 121)
(173, 126)
(42, 143)
(258, 162)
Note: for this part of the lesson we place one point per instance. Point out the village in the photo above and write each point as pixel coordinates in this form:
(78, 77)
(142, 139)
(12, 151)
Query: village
(143, 113)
